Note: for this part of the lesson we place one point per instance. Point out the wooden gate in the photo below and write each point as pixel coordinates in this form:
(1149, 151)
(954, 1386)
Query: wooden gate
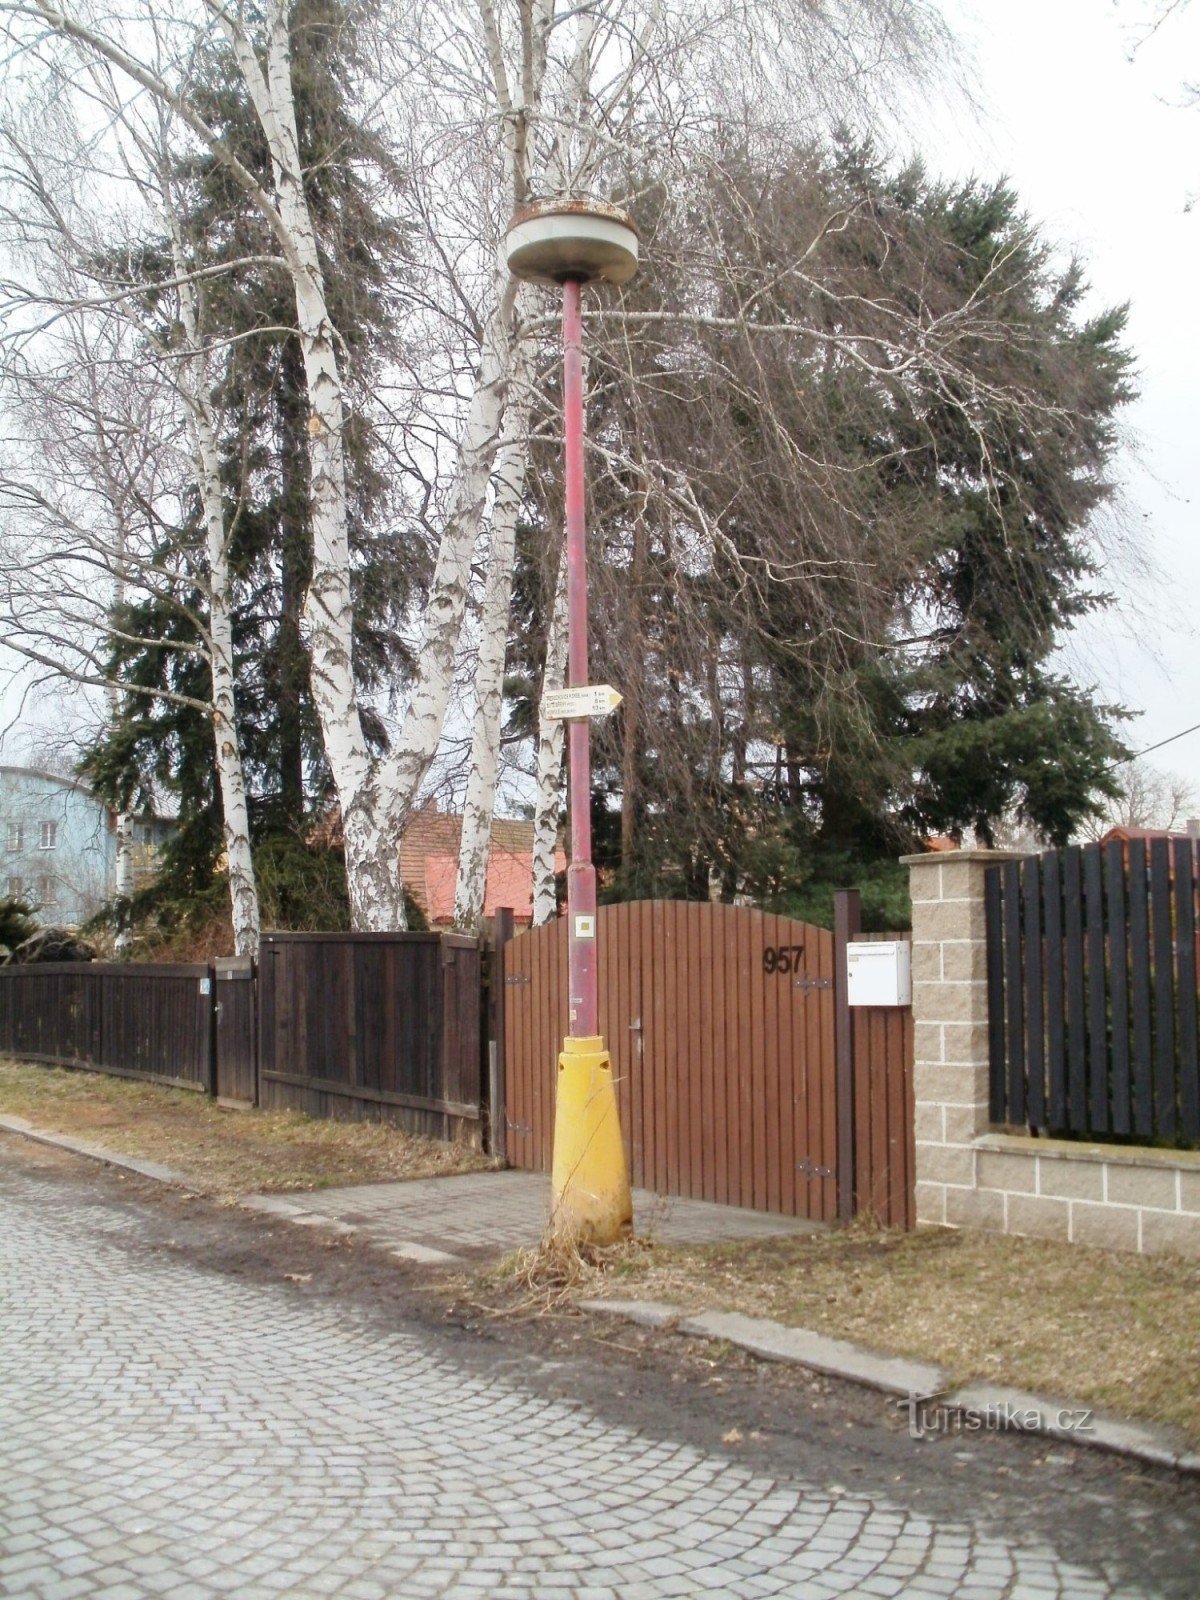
(720, 1023)
(236, 1067)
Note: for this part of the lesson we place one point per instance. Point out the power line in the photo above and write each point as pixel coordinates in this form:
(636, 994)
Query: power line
(1137, 754)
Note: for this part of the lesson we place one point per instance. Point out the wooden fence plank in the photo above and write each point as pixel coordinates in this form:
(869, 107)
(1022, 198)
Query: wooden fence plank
(1165, 1116)
(994, 929)
(1076, 992)
(1056, 975)
(1140, 962)
(1014, 994)
(1183, 885)
(776, 938)
(1097, 1048)
(847, 920)
(1031, 882)
(1118, 983)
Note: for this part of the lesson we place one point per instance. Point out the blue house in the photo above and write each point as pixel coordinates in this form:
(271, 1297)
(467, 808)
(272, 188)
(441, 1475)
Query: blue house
(60, 845)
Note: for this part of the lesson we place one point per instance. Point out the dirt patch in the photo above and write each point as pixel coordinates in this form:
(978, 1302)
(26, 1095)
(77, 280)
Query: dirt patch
(223, 1153)
(1120, 1332)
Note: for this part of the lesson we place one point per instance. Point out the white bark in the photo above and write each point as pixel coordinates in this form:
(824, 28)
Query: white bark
(446, 605)
(367, 800)
(243, 892)
(376, 796)
(548, 804)
(475, 846)
(124, 882)
(123, 879)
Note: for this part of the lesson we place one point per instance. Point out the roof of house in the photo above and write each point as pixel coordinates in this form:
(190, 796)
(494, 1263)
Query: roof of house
(1123, 833)
(11, 770)
(429, 864)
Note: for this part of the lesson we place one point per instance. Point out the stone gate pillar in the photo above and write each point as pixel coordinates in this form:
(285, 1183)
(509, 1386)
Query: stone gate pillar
(950, 1034)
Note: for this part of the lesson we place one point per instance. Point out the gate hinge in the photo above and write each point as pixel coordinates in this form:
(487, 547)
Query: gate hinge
(517, 977)
(812, 983)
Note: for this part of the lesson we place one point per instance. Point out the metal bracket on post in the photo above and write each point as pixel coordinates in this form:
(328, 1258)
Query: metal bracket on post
(847, 921)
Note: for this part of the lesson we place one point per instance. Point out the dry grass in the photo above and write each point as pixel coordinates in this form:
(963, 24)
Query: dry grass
(553, 1275)
(1120, 1332)
(222, 1153)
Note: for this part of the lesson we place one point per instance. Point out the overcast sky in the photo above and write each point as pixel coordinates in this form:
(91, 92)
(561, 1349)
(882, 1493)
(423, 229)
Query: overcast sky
(1105, 155)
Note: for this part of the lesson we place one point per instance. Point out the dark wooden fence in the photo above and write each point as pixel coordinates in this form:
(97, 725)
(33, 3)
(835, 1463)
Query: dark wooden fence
(361, 1025)
(235, 1014)
(135, 1021)
(1092, 990)
(339, 1025)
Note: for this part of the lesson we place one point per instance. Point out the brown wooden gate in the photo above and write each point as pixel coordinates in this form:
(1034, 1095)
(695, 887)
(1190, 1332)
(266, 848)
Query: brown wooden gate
(720, 1023)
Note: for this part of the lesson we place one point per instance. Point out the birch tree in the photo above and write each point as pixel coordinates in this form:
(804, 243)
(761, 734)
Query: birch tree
(514, 84)
(78, 278)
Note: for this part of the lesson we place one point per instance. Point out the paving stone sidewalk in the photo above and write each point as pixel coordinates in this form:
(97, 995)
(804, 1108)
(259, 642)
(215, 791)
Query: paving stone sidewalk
(167, 1431)
(496, 1212)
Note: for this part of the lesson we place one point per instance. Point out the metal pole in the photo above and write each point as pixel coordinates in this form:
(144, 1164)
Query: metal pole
(583, 1009)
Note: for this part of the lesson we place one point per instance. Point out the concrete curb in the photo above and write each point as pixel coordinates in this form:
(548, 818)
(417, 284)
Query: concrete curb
(94, 1152)
(281, 1206)
(979, 1405)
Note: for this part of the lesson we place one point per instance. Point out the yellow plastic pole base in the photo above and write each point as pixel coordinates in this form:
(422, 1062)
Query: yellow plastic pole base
(589, 1178)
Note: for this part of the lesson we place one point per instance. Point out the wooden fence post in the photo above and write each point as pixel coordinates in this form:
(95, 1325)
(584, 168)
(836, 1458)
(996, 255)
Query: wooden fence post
(847, 921)
(502, 932)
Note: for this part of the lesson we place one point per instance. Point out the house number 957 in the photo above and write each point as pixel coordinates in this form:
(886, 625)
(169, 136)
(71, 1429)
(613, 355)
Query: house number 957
(782, 958)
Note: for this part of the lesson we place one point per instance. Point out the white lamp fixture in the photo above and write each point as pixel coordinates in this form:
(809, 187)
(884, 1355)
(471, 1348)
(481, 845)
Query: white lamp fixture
(551, 241)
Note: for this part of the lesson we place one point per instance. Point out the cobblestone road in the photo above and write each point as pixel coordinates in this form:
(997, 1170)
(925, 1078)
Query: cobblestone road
(166, 1431)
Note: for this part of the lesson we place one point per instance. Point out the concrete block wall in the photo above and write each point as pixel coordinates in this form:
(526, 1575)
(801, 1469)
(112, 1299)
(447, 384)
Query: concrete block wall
(969, 1175)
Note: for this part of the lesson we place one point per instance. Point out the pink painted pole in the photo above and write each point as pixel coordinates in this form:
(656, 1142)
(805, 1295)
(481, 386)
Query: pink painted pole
(581, 874)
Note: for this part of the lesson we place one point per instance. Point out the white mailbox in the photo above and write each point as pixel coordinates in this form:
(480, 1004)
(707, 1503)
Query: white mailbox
(879, 973)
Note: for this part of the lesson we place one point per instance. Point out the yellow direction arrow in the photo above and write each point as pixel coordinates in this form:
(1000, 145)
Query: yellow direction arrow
(591, 700)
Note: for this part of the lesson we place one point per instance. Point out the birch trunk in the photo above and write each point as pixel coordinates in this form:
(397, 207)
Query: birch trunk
(476, 841)
(548, 805)
(123, 882)
(447, 602)
(372, 856)
(376, 796)
(243, 891)
(123, 942)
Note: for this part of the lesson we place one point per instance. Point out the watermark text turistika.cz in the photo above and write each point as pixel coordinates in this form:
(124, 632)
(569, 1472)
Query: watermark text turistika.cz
(927, 1414)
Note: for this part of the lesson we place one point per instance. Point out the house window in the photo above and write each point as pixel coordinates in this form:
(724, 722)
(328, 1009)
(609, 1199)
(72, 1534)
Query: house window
(16, 889)
(16, 836)
(47, 896)
(47, 835)
(148, 834)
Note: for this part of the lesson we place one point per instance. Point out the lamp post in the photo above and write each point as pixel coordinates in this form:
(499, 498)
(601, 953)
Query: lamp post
(570, 243)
